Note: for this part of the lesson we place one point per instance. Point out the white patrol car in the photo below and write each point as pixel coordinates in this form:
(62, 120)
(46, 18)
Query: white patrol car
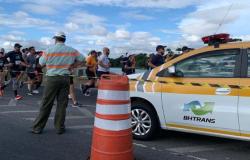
(205, 91)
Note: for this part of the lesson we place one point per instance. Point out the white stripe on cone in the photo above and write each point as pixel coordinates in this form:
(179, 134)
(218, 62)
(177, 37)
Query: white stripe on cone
(113, 95)
(113, 109)
(112, 125)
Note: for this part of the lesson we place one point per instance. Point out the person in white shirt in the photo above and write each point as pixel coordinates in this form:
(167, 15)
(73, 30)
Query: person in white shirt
(104, 63)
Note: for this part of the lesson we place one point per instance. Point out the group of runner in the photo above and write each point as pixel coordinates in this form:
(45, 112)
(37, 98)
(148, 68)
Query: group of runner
(97, 64)
(20, 67)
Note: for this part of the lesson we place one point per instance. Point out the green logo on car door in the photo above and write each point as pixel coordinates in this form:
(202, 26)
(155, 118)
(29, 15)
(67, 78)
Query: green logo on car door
(198, 109)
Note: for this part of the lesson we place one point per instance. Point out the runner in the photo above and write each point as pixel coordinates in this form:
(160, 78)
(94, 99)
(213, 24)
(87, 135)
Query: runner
(103, 63)
(130, 65)
(3, 63)
(23, 76)
(157, 59)
(16, 61)
(123, 62)
(39, 73)
(31, 61)
(91, 63)
(72, 94)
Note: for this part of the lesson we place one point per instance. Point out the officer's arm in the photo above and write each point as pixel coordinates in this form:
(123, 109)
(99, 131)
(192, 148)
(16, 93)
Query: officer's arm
(79, 61)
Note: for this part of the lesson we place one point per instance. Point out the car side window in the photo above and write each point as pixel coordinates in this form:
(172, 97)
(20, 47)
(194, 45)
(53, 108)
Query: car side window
(217, 64)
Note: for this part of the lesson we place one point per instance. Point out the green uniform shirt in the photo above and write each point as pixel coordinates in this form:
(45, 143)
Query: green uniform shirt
(59, 58)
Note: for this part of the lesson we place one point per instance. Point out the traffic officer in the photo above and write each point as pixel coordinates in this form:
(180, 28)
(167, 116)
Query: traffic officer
(59, 60)
(157, 59)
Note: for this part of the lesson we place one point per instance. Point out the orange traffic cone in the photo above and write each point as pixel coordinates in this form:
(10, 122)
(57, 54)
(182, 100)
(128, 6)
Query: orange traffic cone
(112, 133)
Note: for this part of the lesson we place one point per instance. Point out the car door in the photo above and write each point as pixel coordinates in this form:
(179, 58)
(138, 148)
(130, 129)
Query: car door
(244, 99)
(202, 95)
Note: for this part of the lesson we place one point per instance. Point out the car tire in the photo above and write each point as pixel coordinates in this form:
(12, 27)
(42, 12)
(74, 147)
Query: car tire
(145, 123)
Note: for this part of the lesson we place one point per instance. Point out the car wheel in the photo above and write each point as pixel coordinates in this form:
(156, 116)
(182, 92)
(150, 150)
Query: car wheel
(144, 121)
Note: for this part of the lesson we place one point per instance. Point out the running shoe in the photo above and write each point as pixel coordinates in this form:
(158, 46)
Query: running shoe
(7, 82)
(35, 92)
(29, 94)
(76, 105)
(18, 97)
(87, 94)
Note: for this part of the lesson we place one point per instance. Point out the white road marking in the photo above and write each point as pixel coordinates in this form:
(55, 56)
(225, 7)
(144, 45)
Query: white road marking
(194, 157)
(140, 145)
(67, 117)
(191, 149)
(27, 111)
(86, 112)
(12, 102)
(81, 127)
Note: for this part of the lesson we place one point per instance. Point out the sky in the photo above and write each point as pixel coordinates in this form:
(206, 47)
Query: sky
(133, 26)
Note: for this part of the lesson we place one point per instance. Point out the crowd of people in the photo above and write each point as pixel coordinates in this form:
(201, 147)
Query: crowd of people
(24, 64)
(19, 67)
(17, 64)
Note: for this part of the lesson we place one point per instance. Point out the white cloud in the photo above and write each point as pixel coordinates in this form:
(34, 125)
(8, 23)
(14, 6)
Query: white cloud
(121, 3)
(244, 37)
(83, 22)
(120, 34)
(144, 41)
(12, 38)
(46, 41)
(136, 15)
(124, 41)
(21, 19)
(97, 30)
(16, 32)
(140, 3)
(70, 26)
(84, 18)
(209, 15)
(39, 9)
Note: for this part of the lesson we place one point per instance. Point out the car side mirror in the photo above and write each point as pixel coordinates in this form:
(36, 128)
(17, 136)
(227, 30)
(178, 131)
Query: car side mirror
(171, 70)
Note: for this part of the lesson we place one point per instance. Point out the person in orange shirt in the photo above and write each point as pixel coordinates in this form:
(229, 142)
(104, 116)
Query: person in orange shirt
(91, 64)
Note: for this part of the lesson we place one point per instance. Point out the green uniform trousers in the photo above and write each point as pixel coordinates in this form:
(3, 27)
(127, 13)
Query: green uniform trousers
(55, 87)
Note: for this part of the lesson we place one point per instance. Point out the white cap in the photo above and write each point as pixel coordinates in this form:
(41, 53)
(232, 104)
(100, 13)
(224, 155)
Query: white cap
(60, 35)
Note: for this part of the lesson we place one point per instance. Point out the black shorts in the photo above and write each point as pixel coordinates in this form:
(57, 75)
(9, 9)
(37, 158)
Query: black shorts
(90, 74)
(15, 74)
(39, 70)
(100, 73)
(71, 80)
(22, 68)
(32, 76)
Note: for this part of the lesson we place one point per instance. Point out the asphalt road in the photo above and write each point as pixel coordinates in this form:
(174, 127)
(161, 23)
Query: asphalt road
(17, 143)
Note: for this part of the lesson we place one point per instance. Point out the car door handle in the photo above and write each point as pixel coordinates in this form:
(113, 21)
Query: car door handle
(223, 91)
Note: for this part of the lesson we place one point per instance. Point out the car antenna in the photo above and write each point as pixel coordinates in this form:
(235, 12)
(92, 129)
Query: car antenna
(225, 16)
